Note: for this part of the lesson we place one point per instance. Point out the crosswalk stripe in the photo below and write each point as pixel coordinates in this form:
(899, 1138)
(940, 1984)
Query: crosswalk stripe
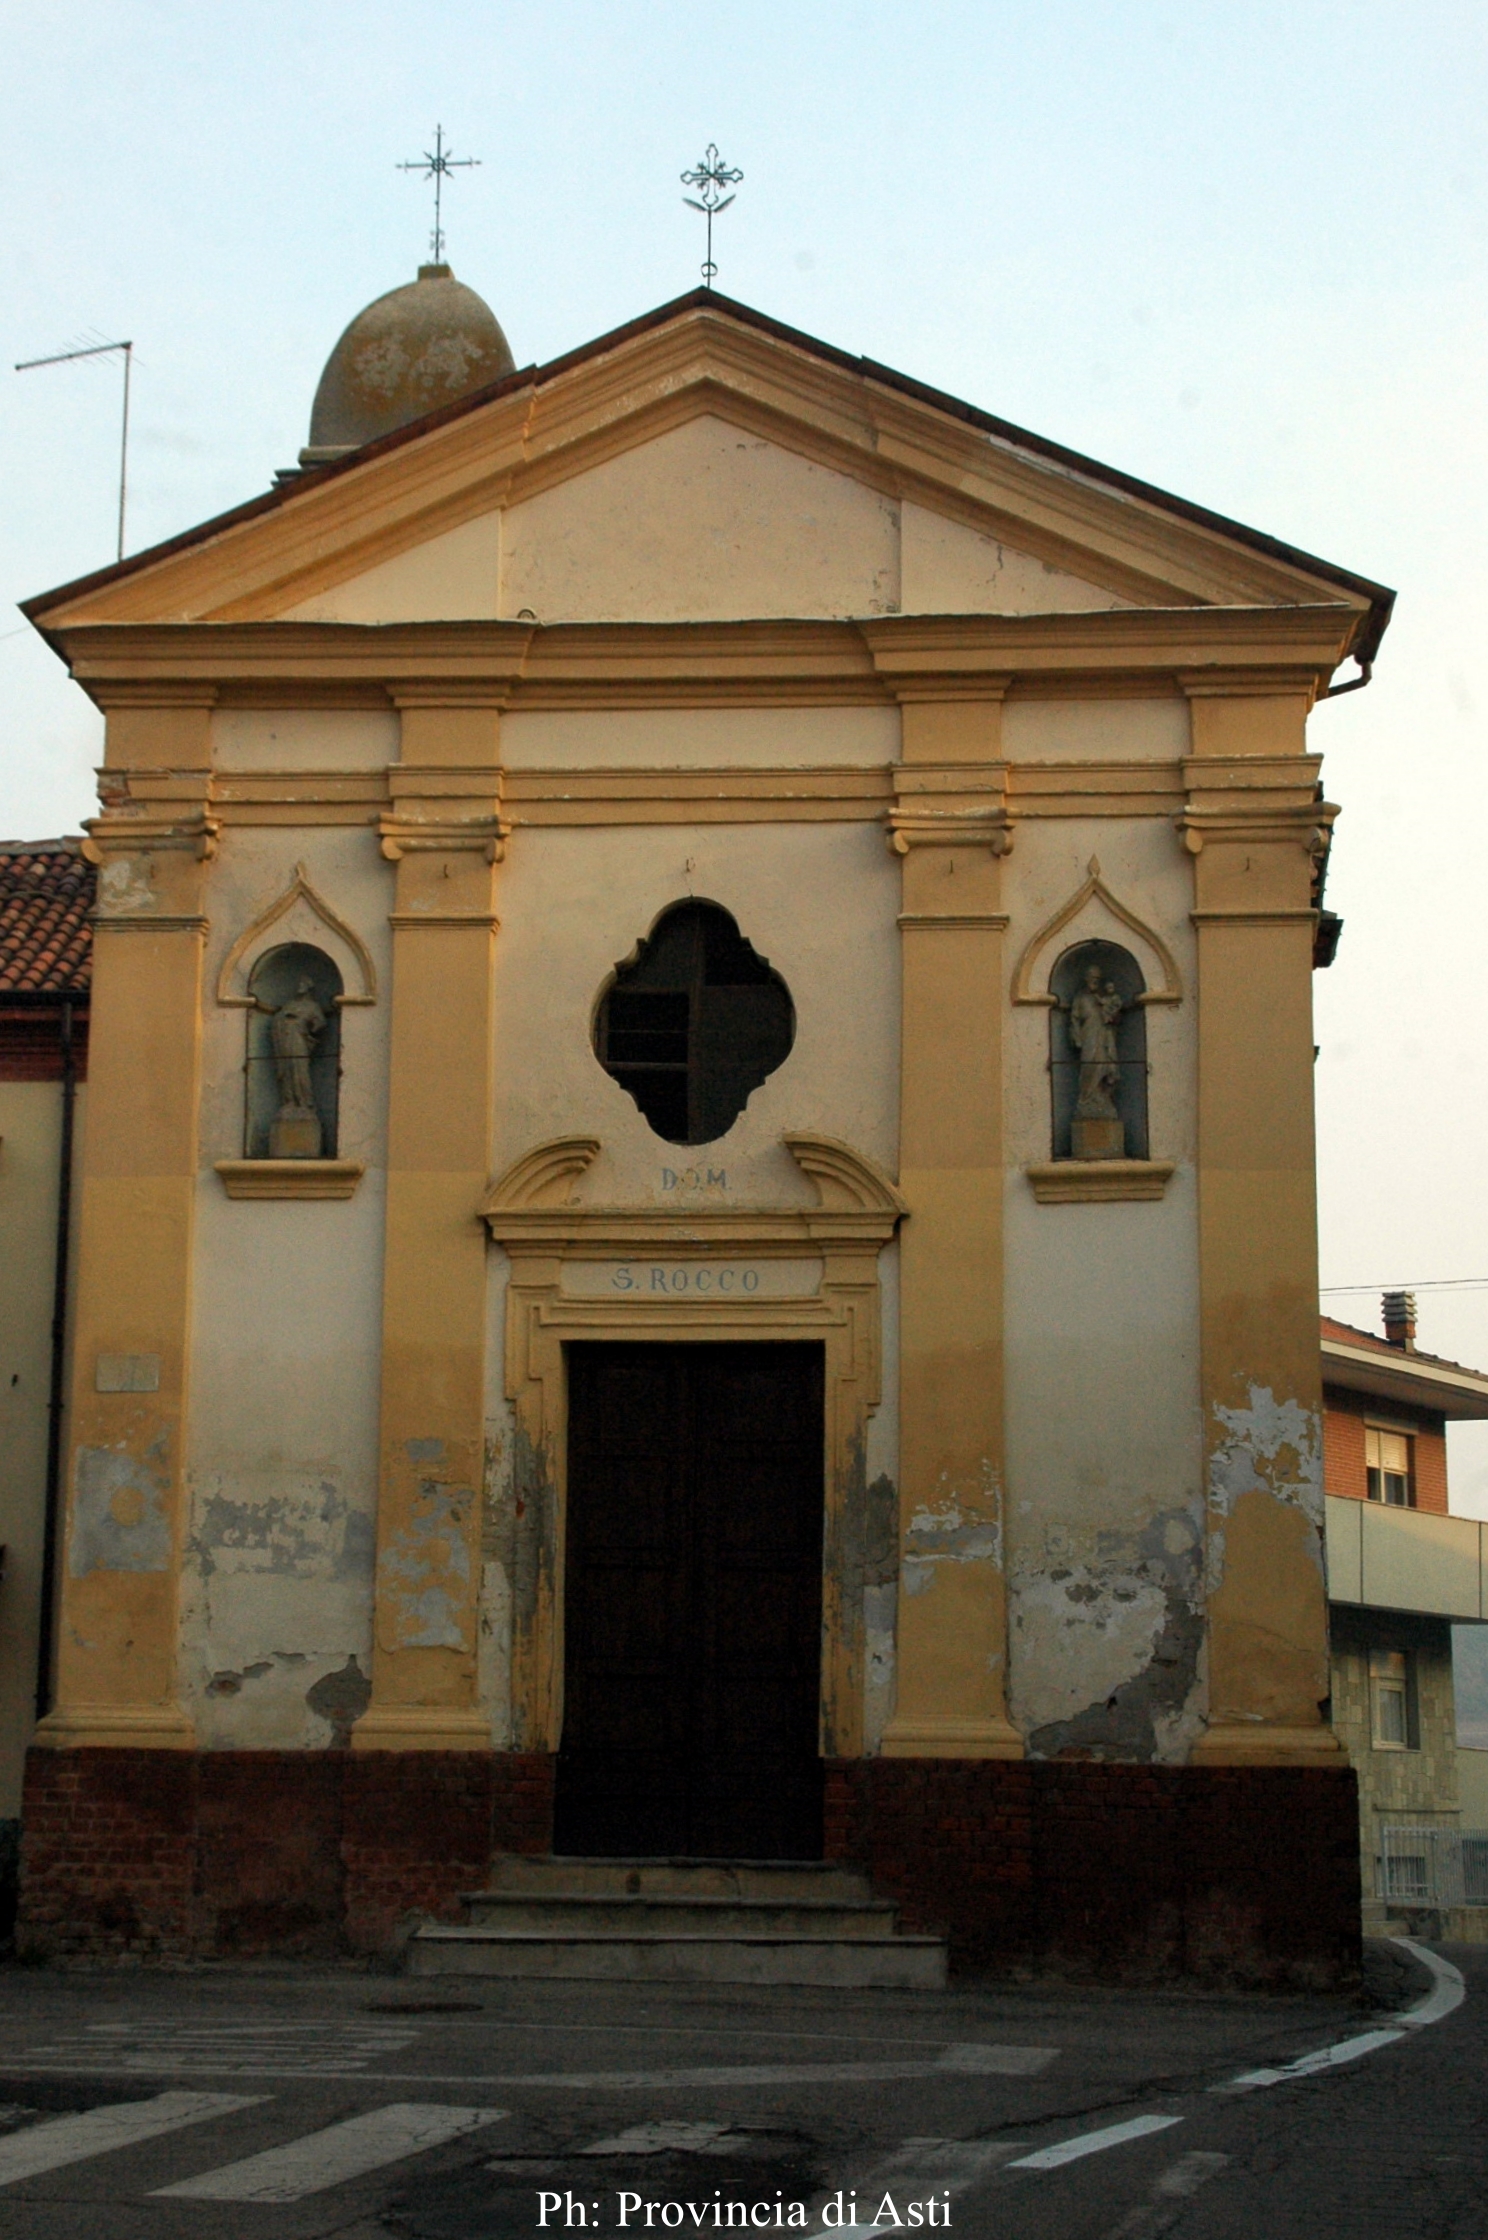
(47, 2146)
(1093, 2142)
(330, 2157)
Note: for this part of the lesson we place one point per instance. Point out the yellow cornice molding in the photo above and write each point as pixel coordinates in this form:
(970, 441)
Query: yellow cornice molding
(695, 364)
(637, 664)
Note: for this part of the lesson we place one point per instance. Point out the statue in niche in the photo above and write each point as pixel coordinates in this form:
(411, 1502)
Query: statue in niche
(1097, 1130)
(294, 1029)
(1092, 1029)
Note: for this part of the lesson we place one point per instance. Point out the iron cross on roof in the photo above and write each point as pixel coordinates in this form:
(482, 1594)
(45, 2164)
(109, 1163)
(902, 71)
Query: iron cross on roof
(438, 165)
(710, 178)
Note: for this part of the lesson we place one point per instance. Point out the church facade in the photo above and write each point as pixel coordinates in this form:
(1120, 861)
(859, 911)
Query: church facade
(697, 1206)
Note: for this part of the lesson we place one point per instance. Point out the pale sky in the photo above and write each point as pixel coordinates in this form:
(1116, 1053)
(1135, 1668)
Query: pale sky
(1238, 250)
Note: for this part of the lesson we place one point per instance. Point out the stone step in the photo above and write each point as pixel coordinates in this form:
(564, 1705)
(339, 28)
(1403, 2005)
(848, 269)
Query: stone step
(874, 1963)
(709, 1878)
(610, 1913)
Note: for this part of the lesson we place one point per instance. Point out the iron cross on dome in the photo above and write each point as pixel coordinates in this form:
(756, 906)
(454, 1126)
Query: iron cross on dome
(437, 164)
(710, 178)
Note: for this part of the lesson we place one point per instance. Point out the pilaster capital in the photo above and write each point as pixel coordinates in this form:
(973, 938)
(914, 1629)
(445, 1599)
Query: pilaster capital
(1308, 826)
(950, 805)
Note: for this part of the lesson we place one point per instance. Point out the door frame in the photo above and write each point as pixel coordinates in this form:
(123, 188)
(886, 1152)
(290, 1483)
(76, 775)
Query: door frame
(816, 1276)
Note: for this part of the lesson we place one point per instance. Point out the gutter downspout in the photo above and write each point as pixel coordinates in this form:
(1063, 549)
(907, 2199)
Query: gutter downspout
(47, 1626)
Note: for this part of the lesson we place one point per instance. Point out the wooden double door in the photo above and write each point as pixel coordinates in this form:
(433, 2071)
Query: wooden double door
(693, 1609)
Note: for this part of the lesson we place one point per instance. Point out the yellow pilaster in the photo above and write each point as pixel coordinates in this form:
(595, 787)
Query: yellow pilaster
(949, 826)
(444, 834)
(117, 1637)
(1255, 829)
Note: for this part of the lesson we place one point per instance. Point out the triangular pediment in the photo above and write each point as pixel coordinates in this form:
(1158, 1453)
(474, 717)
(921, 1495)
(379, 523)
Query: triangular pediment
(703, 466)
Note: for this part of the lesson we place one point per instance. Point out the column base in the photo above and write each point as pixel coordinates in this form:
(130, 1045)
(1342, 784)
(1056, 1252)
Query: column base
(1237, 1744)
(108, 1726)
(951, 1737)
(420, 1726)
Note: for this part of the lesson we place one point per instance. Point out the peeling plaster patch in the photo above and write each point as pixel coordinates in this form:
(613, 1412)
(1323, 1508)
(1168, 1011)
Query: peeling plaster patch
(340, 1698)
(1109, 1644)
(429, 1613)
(959, 1528)
(118, 1516)
(1270, 1446)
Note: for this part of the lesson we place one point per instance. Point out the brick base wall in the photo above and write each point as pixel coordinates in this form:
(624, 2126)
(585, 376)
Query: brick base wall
(1236, 1874)
(1233, 1874)
(162, 1854)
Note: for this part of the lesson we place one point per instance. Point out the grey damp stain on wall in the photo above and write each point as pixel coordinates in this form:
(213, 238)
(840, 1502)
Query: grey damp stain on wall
(340, 1698)
(861, 1555)
(1108, 1643)
(311, 1533)
(118, 1514)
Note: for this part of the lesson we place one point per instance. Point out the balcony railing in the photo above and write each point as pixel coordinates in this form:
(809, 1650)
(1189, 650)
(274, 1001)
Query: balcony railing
(1403, 1559)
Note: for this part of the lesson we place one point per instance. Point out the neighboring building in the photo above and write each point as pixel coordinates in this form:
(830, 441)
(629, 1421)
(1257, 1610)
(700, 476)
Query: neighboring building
(46, 895)
(1402, 1574)
(699, 1216)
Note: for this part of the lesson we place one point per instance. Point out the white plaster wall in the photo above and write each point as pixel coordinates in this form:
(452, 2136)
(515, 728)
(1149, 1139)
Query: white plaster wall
(452, 577)
(1104, 1502)
(700, 738)
(818, 900)
(282, 1441)
(1095, 730)
(282, 739)
(946, 568)
(705, 523)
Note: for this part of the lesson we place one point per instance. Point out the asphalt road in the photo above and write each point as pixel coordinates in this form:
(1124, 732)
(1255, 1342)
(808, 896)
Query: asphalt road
(234, 2105)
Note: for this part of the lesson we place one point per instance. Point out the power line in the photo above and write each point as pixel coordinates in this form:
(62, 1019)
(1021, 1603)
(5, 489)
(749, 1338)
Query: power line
(1429, 1283)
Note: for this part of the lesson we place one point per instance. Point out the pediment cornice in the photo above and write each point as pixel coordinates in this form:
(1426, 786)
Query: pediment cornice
(547, 426)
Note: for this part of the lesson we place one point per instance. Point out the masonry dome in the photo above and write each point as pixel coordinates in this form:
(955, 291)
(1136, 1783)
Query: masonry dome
(414, 349)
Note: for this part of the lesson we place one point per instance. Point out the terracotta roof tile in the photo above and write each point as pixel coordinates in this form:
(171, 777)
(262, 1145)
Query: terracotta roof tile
(46, 932)
(1369, 1341)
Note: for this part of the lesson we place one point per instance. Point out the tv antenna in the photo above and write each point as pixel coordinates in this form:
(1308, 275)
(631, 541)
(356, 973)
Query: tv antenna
(437, 164)
(99, 350)
(710, 178)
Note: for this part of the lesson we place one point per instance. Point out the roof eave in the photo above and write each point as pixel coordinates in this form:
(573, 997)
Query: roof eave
(1461, 1395)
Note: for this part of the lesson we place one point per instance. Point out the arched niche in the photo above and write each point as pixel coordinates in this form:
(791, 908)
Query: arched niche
(1098, 1053)
(693, 1022)
(292, 1071)
(300, 914)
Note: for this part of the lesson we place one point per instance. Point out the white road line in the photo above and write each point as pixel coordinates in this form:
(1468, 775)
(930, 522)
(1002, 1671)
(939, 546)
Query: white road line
(48, 2146)
(1445, 1999)
(1447, 1995)
(1093, 2142)
(328, 2158)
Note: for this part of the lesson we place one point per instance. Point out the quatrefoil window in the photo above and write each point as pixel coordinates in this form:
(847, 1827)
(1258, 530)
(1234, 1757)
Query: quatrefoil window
(693, 1023)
